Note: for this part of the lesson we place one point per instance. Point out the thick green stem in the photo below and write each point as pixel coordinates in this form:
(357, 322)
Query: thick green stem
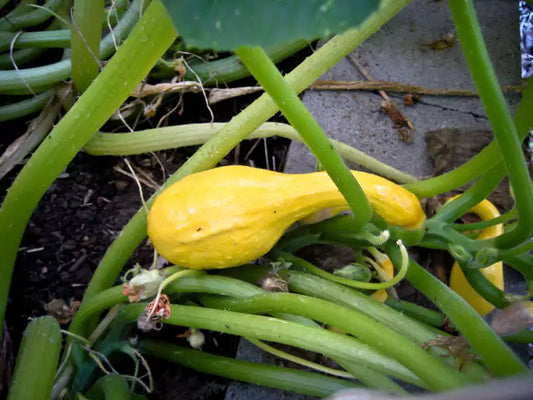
(272, 329)
(225, 70)
(44, 39)
(235, 131)
(486, 289)
(42, 78)
(203, 283)
(170, 137)
(372, 379)
(278, 377)
(505, 133)
(438, 376)
(36, 361)
(300, 262)
(110, 387)
(269, 77)
(121, 75)
(422, 314)
(85, 41)
(485, 224)
(492, 350)
(25, 107)
(338, 294)
(35, 17)
(474, 195)
(19, 58)
(525, 248)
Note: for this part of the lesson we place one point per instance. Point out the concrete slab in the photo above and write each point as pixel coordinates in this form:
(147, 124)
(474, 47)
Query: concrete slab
(399, 52)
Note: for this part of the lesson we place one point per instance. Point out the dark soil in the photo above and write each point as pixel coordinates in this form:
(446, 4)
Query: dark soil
(83, 212)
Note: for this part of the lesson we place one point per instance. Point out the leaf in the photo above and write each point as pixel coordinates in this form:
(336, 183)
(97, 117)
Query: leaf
(224, 25)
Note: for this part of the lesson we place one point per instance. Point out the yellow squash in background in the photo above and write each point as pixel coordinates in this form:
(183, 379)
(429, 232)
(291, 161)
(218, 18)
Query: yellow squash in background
(232, 215)
(494, 273)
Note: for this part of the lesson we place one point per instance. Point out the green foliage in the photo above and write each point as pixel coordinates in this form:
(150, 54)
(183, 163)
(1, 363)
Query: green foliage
(37, 361)
(225, 24)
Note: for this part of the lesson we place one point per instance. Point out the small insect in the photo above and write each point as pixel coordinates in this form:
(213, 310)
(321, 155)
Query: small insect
(159, 310)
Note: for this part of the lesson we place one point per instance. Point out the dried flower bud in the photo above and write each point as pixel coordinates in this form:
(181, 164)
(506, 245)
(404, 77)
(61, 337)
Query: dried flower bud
(143, 285)
(273, 284)
(196, 339)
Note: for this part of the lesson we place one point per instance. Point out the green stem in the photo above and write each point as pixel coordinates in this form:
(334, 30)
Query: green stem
(25, 107)
(269, 77)
(486, 289)
(43, 39)
(493, 352)
(338, 294)
(278, 377)
(524, 248)
(236, 130)
(299, 360)
(371, 378)
(37, 361)
(32, 18)
(42, 78)
(85, 41)
(110, 387)
(120, 76)
(300, 262)
(19, 58)
(203, 283)
(525, 336)
(472, 196)
(23, 7)
(485, 224)
(105, 299)
(477, 165)
(505, 133)
(271, 329)
(438, 376)
(225, 70)
(194, 134)
(422, 314)
(314, 286)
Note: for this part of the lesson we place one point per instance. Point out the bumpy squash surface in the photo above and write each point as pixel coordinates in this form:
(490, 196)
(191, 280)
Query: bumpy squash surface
(232, 215)
(494, 273)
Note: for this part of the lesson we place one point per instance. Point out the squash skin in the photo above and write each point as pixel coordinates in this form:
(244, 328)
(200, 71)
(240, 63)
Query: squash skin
(494, 273)
(231, 215)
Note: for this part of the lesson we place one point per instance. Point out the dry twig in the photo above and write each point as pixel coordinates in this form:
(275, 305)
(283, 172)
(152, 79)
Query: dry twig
(402, 124)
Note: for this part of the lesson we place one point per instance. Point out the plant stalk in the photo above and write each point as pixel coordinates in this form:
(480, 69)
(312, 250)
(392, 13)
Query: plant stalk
(269, 77)
(85, 41)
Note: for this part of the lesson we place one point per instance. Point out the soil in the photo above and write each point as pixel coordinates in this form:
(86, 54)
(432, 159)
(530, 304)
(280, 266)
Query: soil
(86, 208)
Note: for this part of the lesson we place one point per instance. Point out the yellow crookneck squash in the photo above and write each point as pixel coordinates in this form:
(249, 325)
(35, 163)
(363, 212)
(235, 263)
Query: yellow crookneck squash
(494, 273)
(231, 215)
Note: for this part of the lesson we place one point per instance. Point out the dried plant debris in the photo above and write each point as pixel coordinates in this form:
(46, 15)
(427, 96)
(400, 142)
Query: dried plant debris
(403, 125)
(445, 42)
(62, 312)
(410, 99)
